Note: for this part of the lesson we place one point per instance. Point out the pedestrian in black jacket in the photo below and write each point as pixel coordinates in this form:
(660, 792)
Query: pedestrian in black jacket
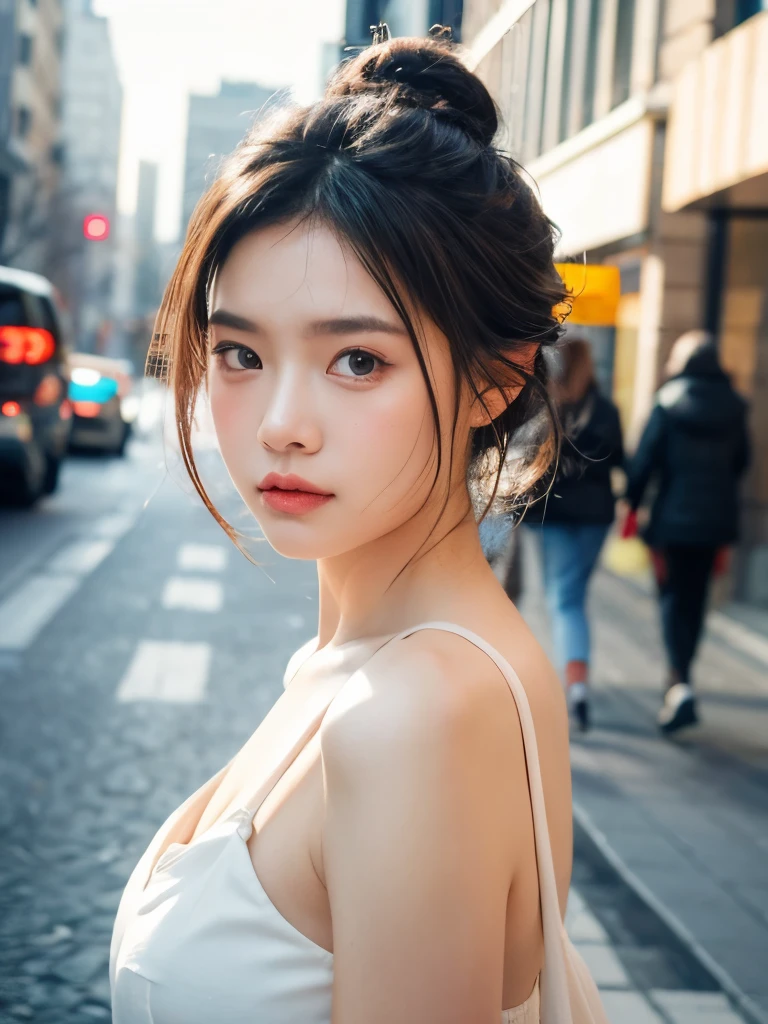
(695, 448)
(575, 513)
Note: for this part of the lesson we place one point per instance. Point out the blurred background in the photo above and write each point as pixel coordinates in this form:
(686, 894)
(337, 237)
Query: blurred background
(138, 651)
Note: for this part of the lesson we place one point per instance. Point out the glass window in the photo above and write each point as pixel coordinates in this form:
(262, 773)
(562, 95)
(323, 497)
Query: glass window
(747, 8)
(23, 121)
(565, 88)
(622, 53)
(25, 49)
(590, 74)
(11, 307)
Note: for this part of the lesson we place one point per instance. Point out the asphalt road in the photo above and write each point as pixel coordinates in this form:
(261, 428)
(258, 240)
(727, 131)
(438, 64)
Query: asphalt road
(138, 651)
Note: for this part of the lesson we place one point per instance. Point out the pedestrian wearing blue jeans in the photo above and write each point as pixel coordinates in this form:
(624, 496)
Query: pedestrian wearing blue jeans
(574, 513)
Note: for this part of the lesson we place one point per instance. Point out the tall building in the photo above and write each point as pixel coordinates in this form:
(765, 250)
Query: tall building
(642, 123)
(92, 101)
(31, 36)
(147, 278)
(404, 17)
(11, 162)
(215, 125)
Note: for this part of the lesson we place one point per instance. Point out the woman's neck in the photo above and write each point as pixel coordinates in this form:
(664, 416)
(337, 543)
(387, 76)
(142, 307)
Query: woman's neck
(400, 578)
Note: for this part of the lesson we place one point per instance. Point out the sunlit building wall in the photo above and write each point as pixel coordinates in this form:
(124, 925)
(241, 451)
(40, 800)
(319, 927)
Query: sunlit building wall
(584, 87)
(716, 168)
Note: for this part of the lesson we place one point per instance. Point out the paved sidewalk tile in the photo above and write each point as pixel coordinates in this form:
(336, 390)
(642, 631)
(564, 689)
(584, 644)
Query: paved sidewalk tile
(696, 1007)
(629, 1008)
(604, 966)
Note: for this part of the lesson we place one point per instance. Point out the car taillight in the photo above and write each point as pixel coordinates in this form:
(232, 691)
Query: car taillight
(48, 390)
(10, 408)
(65, 410)
(30, 345)
(86, 409)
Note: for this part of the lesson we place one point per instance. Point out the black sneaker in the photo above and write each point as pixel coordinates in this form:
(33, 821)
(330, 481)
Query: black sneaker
(578, 704)
(678, 709)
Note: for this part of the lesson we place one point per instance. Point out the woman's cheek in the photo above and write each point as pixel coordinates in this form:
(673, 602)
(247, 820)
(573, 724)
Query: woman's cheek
(230, 410)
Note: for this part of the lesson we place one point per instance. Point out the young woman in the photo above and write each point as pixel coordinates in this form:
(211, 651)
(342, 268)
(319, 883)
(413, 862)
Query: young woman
(576, 512)
(364, 293)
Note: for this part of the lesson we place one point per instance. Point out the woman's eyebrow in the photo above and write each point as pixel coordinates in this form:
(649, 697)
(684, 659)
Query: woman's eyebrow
(363, 324)
(238, 323)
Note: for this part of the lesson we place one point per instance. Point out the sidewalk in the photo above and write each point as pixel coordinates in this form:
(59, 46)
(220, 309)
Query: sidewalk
(683, 822)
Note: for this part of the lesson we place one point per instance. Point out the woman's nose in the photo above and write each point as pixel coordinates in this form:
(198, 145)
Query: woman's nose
(289, 421)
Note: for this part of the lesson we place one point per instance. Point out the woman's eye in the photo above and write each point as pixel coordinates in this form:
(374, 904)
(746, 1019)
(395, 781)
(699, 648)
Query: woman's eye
(238, 357)
(357, 363)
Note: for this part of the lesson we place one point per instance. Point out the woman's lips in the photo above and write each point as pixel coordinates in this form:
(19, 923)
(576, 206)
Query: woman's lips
(295, 503)
(291, 493)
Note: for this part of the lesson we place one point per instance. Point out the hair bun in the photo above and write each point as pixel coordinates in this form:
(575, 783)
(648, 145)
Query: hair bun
(422, 73)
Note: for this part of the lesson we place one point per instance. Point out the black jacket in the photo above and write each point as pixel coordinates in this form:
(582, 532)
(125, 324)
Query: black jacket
(592, 446)
(695, 447)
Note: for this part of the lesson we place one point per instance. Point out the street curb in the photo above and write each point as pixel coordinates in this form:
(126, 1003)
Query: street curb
(751, 1011)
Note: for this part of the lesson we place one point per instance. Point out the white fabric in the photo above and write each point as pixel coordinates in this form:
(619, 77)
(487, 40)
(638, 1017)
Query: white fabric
(197, 940)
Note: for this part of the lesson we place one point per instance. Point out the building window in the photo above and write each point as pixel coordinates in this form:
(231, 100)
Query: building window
(622, 53)
(446, 12)
(565, 86)
(747, 9)
(25, 49)
(23, 121)
(590, 73)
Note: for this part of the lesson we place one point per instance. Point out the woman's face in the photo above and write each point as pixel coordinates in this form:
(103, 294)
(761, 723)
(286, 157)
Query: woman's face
(318, 400)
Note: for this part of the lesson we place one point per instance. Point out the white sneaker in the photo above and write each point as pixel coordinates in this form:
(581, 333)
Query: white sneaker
(678, 709)
(578, 704)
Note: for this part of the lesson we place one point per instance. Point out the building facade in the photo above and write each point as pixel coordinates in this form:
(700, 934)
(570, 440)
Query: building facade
(595, 95)
(31, 40)
(92, 101)
(215, 125)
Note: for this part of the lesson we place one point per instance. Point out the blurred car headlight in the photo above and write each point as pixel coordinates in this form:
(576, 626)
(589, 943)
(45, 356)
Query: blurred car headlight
(129, 408)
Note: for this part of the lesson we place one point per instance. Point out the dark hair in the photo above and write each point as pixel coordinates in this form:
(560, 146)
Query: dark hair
(398, 159)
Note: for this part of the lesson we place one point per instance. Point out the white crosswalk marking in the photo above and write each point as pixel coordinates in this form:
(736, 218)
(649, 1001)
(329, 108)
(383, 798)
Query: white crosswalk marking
(113, 526)
(26, 611)
(176, 672)
(202, 557)
(80, 557)
(193, 593)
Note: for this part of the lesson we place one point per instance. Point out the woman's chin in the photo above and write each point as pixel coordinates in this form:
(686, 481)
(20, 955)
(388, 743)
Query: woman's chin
(303, 544)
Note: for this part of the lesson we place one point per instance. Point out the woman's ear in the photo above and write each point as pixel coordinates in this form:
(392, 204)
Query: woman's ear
(495, 396)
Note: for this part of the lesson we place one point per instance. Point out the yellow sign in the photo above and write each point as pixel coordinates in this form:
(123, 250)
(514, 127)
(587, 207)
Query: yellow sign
(594, 291)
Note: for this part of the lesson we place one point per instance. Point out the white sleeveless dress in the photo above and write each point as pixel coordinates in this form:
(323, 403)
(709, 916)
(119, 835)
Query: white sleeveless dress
(198, 941)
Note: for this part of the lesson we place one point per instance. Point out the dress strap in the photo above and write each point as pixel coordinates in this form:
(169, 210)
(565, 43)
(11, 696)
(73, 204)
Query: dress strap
(555, 1001)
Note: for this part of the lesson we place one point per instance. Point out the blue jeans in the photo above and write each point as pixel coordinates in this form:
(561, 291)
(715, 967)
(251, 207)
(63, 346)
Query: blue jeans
(569, 555)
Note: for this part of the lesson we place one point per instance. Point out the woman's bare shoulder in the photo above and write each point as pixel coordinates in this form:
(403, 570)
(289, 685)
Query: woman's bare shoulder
(421, 700)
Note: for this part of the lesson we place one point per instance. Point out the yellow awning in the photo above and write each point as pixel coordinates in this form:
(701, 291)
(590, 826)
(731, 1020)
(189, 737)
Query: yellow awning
(595, 290)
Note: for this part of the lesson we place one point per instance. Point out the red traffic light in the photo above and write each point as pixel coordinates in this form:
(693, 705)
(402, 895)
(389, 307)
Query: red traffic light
(96, 227)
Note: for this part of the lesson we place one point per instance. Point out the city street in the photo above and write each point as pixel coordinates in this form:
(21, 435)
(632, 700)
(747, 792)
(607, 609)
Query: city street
(138, 650)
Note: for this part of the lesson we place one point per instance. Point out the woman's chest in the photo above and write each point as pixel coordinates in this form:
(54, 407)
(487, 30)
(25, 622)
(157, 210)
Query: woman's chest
(283, 737)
